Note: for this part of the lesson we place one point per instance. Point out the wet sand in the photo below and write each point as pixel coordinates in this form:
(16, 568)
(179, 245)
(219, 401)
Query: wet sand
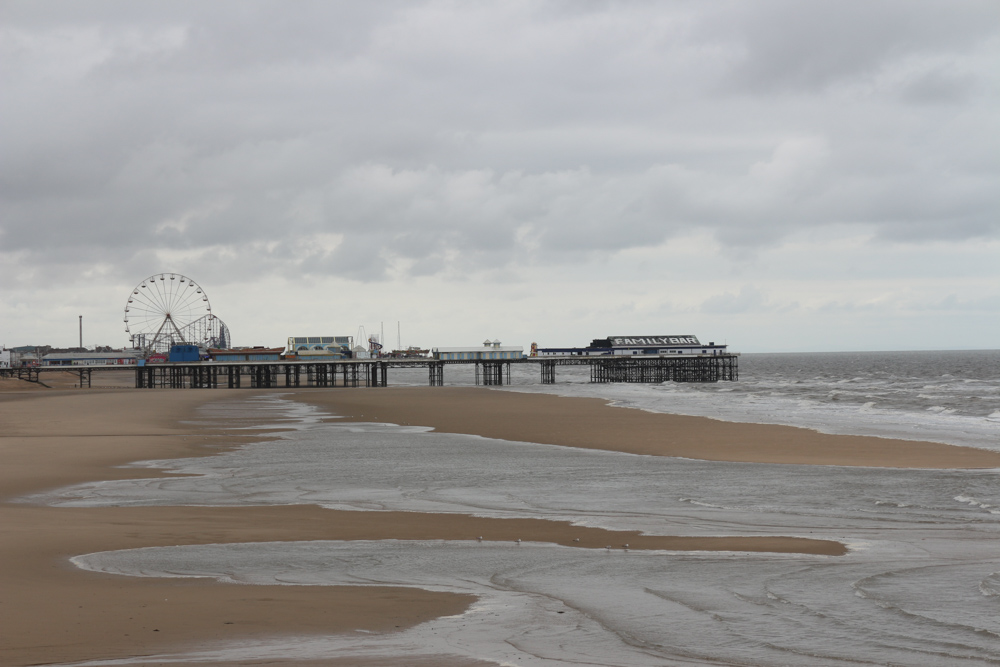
(593, 424)
(51, 612)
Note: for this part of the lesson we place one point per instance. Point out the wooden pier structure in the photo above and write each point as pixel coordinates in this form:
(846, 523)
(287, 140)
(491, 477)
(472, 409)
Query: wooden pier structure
(375, 372)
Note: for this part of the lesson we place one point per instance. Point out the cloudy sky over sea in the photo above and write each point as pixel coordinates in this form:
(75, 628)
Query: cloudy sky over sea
(777, 175)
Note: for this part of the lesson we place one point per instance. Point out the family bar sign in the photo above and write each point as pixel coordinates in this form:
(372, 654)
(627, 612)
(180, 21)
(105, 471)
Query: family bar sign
(651, 341)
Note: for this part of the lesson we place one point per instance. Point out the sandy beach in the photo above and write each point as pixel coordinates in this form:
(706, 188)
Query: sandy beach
(593, 424)
(53, 612)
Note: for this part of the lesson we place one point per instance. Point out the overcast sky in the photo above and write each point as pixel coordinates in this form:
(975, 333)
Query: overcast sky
(777, 175)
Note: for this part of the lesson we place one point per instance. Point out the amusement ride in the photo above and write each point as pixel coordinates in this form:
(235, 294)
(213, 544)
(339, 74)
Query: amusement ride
(169, 309)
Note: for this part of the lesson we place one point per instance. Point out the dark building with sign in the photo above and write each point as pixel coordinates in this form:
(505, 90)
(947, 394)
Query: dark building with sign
(638, 345)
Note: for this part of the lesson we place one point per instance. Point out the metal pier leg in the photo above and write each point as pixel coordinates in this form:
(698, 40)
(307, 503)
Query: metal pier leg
(376, 374)
(549, 372)
(435, 372)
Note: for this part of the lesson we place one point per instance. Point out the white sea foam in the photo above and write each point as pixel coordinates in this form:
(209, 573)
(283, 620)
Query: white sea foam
(976, 503)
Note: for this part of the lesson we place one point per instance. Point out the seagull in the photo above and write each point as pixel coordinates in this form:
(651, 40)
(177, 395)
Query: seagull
(480, 538)
(518, 540)
(576, 539)
(608, 547)
(625, 545)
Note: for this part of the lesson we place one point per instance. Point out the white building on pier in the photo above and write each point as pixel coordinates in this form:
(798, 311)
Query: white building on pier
(490, 350)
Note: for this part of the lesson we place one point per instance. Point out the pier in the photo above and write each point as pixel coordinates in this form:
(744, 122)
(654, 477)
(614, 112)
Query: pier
(350, 373)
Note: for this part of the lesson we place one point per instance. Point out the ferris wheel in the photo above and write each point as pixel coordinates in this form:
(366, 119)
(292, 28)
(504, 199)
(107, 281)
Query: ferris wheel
(170, 309)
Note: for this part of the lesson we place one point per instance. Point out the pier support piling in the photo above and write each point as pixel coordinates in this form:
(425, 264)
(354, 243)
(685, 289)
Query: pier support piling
(492, 372)
(548, 372)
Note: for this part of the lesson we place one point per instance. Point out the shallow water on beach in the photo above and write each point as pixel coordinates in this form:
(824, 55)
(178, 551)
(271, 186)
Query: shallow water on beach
(921, 585)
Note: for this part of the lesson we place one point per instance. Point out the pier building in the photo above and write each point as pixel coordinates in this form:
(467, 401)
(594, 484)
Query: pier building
(114, 358)
(330, 347)
(638, 345)
(184, 353)
(490, 350)
(246, 354)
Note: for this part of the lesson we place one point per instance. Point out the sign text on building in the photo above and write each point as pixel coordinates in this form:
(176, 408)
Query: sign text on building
(652, 341)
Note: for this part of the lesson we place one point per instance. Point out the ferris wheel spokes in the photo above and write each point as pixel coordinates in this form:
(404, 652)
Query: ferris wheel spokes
(162, 308)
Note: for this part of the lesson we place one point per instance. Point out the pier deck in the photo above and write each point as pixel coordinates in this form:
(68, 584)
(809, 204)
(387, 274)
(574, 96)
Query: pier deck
(375, 372)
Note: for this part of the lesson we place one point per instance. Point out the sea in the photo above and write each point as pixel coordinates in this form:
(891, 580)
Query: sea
(920, 584)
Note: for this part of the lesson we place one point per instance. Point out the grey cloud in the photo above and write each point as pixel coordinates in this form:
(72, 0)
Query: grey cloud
(797, 46)
(358, 257)
(938, 86)
(445, 139)
(748, 299)
(988, 304)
